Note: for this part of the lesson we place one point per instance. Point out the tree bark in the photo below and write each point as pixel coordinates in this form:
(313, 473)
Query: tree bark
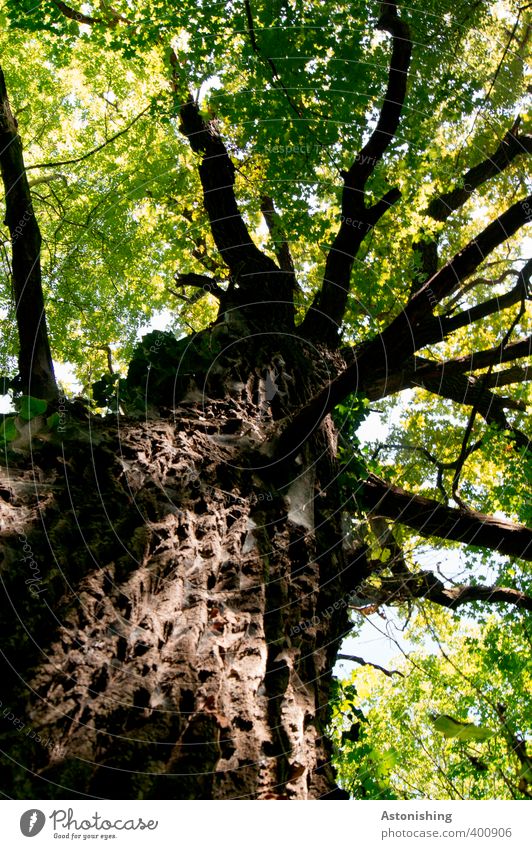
(171, 615)
(35, 358)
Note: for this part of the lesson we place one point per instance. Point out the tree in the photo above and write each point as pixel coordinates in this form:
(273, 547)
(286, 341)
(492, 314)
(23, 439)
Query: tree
(386, 748)
(183, 544)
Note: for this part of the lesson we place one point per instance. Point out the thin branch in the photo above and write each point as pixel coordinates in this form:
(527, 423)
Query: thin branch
(427, 586)
(276, 77)
(362, 662)
(205, 286)
(472, 284)
(49, 178)
(95, 149)
(281, 246)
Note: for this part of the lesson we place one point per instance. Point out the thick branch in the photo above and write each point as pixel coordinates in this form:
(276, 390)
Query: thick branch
(472, 392)
(217, 174)
(412, 329)
(73, 15)
(111, 19)
(512, 145)
(491, 356)
(369, 373)
(325, 316)
(464, 263)
(388, 122)
(416, 369)
(205, 285)
(516, 374)
(430, 518)
(35, 359)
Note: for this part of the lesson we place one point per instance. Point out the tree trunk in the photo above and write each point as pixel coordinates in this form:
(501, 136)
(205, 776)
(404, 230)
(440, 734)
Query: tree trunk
(172, 612)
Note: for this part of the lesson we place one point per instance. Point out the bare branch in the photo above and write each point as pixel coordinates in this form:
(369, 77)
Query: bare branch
(361, 662)
(516, 374)
(94, 150)
(482, 359)
(426, 585)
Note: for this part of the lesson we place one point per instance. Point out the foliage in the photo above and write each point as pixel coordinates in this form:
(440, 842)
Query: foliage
(473, 669)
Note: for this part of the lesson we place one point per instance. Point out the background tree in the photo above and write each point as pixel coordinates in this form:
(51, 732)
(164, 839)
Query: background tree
(183, 545)
(389, 744)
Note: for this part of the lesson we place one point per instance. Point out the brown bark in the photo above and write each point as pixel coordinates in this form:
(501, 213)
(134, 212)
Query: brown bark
(35, 359)
(178, 620)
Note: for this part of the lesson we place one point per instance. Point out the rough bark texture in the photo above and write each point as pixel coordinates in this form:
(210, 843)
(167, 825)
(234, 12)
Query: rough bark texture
(179, 617)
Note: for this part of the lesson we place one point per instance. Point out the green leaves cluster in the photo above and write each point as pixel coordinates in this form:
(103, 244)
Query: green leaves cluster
(412, 721)
(15, 430)
(160, 372)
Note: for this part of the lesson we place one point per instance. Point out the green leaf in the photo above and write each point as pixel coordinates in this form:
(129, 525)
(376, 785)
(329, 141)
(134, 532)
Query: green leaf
(457, 730)
(29, 407)
(8, 431)
(53, 421)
